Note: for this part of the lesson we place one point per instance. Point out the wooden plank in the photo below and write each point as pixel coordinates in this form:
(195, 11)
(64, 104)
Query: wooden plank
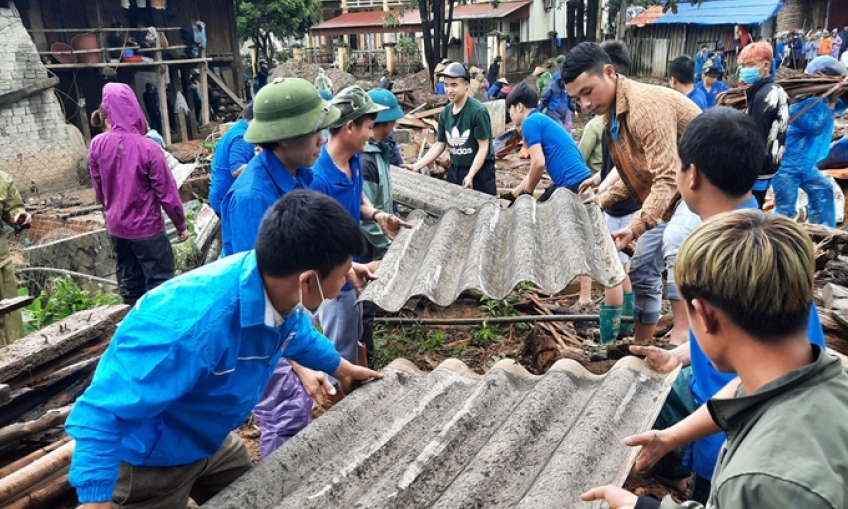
(412, 122)
(832, 293)
(10, 98)
(20, 430)
(429, 113)
(223, 86)
(128, 64)
(14, 304)
(58, 339)
(204, 88)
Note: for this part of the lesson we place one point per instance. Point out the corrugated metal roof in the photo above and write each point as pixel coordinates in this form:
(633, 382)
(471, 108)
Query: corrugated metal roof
(375, 21)
(453, 439)
(722, 12)
(434, 196)
(487, 10)
(650, 15)
(493, 250)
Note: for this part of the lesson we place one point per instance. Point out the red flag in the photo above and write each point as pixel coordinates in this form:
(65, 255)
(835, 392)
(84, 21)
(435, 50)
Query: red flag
(469, 45)
(742, 37)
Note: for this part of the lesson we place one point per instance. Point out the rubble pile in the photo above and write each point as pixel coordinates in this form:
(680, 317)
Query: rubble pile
(310, 71)
(41, 376)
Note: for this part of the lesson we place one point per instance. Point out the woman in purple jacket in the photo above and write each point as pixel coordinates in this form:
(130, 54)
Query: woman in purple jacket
(132, 180)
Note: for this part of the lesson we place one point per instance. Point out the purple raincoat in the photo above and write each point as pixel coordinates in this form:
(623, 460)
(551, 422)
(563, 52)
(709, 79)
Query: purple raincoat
(283, 410)
(130, 175)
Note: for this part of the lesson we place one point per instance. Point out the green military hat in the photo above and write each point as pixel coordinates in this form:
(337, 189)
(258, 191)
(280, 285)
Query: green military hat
(287, 108)
(559, 60)
(353, 102)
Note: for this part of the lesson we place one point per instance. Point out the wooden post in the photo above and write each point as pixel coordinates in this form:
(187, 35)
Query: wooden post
(161, 70)
(185, 76)
(204, 88)
(83, 115)
(177, 85)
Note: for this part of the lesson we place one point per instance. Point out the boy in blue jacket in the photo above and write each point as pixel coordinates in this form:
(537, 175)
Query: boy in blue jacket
(557, 104)
(191, 359)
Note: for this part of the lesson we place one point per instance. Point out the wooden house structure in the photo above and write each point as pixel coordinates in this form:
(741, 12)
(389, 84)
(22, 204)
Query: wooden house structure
(84, 45)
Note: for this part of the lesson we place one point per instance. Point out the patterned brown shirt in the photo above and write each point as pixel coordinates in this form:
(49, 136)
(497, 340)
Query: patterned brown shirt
(651, 121)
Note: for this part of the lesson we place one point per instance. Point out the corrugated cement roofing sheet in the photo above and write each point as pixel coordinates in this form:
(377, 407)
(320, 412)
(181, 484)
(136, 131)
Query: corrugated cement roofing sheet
(434, 196)
(453, 440)
(493, 250)
(722, 12)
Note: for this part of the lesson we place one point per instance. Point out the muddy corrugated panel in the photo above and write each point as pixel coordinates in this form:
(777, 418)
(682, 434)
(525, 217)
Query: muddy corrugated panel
(453, 439)
(494, 249)
(434, 196)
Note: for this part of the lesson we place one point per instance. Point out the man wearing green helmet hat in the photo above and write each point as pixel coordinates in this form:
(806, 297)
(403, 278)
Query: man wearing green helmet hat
(377, 185)
(289, 116)
(338, 173)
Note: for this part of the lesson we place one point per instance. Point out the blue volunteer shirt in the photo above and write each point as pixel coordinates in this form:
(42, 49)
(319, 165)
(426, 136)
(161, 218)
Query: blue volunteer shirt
(185, 368)
(230, 153)
(261, 184)
(563, 159)
(707, 381)
(330, 180)
(698, 97)
(711, 94)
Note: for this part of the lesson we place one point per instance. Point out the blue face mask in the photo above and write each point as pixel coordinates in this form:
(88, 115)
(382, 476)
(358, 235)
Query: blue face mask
(750, 75)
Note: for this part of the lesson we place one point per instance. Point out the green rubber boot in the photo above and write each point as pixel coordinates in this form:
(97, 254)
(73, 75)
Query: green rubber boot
(626, 329)
(610, 323)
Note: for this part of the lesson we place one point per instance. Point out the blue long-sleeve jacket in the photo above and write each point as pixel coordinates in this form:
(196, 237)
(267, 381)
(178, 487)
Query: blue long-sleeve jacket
(558, 103)
(230, 153)
(183, 370)
(808, 137)
(261, 184)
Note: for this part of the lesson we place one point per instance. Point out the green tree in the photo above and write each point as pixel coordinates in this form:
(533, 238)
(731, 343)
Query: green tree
(258, 20)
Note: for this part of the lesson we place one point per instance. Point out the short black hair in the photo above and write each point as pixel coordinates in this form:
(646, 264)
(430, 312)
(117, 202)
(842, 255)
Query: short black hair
(523, 93)
(585, 57)
(247, 113)
(305, 230)
(358, 121)
(682, 69)
(727, 147)
(619, 55)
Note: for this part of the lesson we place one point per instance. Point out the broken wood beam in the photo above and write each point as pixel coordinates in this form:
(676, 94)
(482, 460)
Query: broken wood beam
(17, 431)
(14, 304)
(34, 455)
(429, 113)
(10, 98)
(32, 474)
(223, 86)
(58, 339)
(832, 293)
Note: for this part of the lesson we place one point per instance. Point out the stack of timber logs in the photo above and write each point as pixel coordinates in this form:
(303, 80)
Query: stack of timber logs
(41, 376)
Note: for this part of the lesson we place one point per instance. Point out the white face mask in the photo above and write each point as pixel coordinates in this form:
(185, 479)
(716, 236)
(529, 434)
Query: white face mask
(312, 313)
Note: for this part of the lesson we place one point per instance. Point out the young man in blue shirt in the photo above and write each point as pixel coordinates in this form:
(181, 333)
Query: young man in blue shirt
(188, 363)
(231, 154)
(681, 77)
(711, 86)
(552, 148)
(722, 153)
(338, 174)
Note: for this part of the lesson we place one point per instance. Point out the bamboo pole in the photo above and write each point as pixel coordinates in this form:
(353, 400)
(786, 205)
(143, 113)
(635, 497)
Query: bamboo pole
(29, 458)
(204, 88)
(25, 478)
(43, 495)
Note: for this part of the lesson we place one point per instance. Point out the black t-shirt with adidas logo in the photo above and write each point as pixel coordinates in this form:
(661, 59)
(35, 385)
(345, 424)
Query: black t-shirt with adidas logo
(461, 131)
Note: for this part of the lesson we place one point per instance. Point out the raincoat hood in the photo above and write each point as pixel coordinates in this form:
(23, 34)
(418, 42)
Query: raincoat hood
(120, 107)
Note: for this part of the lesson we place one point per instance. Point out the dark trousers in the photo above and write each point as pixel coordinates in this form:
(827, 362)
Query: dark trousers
(143, 264)
(368, 311)
(550, 191)
(761, 197)
(484, 181)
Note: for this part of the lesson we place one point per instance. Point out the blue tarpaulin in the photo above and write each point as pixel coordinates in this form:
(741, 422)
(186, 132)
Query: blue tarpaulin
(722, 12)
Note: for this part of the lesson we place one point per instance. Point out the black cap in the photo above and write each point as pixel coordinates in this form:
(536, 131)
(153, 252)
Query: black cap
(456, 70)
(712, 71)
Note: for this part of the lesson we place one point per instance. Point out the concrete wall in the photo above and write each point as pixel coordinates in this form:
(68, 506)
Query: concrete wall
(804, 14)
(35, 144)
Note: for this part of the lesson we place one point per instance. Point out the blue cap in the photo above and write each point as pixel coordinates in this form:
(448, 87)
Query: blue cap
(386, 98)
(325, 94)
